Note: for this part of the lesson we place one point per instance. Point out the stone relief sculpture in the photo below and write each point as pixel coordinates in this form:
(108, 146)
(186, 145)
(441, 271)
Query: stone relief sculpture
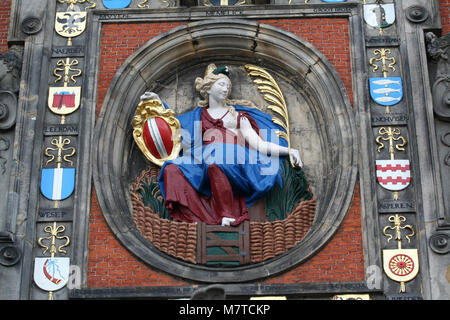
(219, 162)
(438, 50)
(10, 74)
(10, 68)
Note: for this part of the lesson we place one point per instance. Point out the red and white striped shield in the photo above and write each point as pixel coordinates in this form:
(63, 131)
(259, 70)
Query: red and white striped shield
(158, 137)
(156, 131)
(393, 175)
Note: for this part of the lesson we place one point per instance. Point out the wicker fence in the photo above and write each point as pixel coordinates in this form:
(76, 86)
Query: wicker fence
(180, 239)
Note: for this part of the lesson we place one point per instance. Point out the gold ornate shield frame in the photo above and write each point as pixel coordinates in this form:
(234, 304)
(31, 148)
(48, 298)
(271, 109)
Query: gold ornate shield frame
(152, 108)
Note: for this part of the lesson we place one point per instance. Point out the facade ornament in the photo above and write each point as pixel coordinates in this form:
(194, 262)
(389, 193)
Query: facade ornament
(72, 22)
(116, 4)
(31, 25)
(66, 99)
(379, 15)
(392, 174)
(401, 265)
(73, 3)
(207, 132)
(417, 14)
(438, 51)
(52, 273)
(10, 253)
(440, 243)
(385, 91)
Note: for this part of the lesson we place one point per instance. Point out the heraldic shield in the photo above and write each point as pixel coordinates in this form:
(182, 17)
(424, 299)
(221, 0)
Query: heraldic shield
(57, 183)
(393, 175)
(116, 4)
(70, 24)
(401, 265)
(386, 91)
(51, 274)
(64, 100)
(156, 131)
(379, 15)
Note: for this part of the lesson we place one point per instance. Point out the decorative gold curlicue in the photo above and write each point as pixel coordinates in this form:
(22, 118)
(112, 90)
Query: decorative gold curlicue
(66, 67)
(71, 3)
(382, 55)
(397, 221)
(60, 144)
(143, 4)
(391, 135)
(54, 232)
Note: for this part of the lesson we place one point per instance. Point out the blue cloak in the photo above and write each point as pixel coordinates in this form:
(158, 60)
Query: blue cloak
(249, 172)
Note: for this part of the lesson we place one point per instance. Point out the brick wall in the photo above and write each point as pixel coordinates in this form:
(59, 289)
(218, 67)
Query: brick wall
(112, 265)
(444, 6)
(340, 260)
(5, 7)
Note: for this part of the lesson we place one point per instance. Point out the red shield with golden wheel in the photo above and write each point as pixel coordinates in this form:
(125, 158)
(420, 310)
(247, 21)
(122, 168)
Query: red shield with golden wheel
(156, 131)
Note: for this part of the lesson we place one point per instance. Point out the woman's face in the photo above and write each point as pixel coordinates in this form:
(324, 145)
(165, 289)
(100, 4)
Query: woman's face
(219, 90)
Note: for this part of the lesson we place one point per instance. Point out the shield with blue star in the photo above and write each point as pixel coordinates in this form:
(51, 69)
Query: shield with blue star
(57, 183)
(386, 91)
(116, 4)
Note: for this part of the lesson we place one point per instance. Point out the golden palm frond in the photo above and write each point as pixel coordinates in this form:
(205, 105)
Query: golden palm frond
(272, 93)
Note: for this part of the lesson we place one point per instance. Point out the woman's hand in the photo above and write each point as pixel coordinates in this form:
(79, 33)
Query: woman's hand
(149, 96)
(295, 158)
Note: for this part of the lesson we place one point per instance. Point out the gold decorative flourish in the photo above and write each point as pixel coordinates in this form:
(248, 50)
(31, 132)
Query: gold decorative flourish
(54, 232)
(71, 3)
(390, 134)
(397, 221)
(382, 55)
(66, 67)
(143, 4)
(167, 3)
(60, 144)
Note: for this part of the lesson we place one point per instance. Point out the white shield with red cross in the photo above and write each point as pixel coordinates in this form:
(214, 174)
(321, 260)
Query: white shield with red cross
(393, 175)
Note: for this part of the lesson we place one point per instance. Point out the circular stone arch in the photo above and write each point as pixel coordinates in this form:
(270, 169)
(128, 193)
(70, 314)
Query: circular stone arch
(292, 60)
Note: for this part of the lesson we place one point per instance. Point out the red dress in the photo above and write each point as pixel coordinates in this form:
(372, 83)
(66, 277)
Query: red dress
(186, 204)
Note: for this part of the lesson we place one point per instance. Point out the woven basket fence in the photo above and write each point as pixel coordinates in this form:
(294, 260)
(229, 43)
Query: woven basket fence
(179, 239)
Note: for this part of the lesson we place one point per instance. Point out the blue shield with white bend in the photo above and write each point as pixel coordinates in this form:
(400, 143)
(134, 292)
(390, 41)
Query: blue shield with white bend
(57, 183)
(386, 91)
(116, 4)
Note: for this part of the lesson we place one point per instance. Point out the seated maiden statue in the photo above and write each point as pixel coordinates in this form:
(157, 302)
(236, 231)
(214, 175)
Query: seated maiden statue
(229, 158)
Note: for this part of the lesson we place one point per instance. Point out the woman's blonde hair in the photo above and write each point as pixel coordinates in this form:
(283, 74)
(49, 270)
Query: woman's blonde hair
(202, 85)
